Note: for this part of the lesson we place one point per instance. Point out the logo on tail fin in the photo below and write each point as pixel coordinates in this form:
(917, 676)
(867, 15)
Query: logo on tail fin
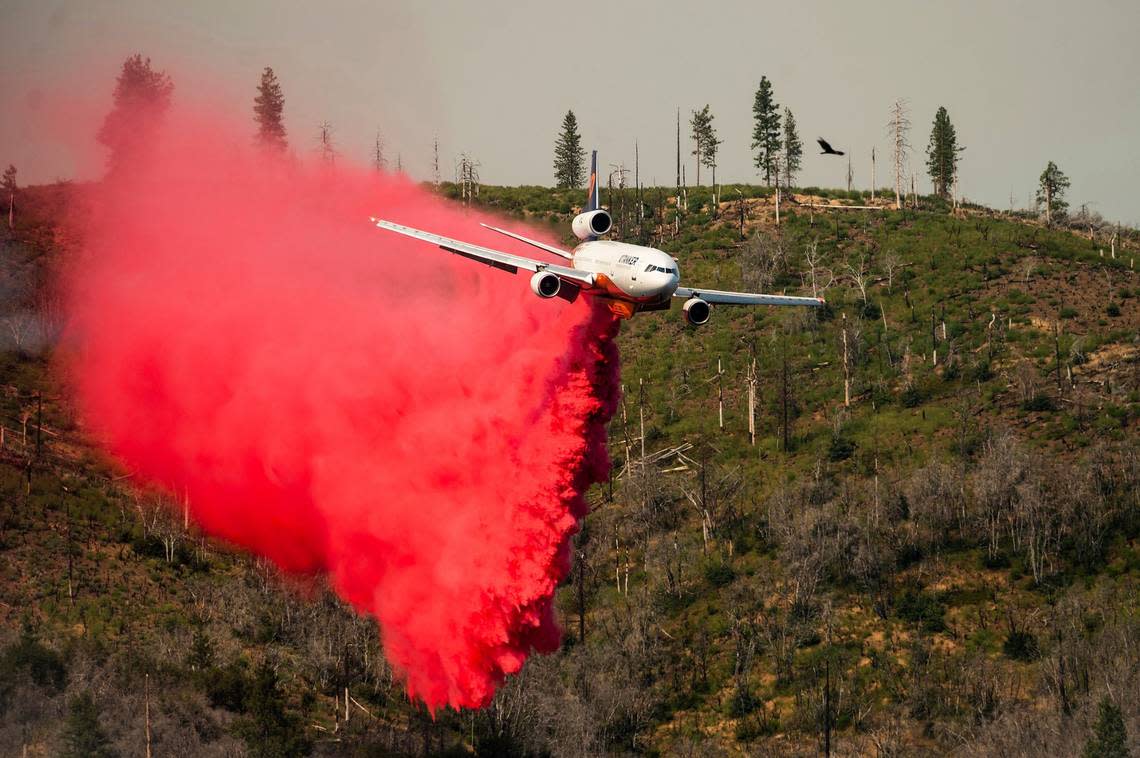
(592, 187)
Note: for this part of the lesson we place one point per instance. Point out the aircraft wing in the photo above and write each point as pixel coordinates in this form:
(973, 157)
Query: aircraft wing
(500, 260)
(718, 297)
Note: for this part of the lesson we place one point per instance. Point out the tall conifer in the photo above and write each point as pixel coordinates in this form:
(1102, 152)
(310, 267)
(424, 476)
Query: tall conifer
(793, 149)
(268, 111)
(942, 154)
(766, 132)
(569, 157)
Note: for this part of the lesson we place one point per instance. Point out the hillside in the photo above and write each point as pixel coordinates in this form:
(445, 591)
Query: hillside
(946, 562)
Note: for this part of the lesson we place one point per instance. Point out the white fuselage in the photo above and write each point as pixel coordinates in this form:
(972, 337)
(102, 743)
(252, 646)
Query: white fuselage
(638, 274)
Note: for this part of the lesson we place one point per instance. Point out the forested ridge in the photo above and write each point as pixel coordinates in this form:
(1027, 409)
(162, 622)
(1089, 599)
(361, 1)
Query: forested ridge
(927, 544)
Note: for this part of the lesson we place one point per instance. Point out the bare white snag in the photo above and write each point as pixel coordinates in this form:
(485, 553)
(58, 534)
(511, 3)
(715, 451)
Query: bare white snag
(846, 368)
(899, 127)
(752, 402)
(146, 711)
(720, 392)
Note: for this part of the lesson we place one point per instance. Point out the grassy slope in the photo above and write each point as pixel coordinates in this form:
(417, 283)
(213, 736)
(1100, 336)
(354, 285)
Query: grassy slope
(709, 645)
(969, 269)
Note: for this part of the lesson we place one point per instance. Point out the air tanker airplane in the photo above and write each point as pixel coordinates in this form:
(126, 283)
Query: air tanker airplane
(628, 278)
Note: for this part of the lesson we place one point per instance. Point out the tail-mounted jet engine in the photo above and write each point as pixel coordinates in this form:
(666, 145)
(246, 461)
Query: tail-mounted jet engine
(697, 311)
(545, 284)
(592, 224)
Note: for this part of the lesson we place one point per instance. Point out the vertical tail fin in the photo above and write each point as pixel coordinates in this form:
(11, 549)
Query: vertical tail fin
(592, 187)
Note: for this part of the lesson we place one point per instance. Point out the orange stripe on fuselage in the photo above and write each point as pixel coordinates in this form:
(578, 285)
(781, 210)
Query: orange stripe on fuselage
(620, 302)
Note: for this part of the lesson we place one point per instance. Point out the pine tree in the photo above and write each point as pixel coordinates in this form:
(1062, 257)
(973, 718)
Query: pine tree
(268, 108)
(8, 187)
(793, 149)
(704, 136)
(1051, 191)
(569, 157)
(201, 652)
(141, 98)
(942, 154)
(269, 730)
(766, 132)
(1109, 740)
(83, 737)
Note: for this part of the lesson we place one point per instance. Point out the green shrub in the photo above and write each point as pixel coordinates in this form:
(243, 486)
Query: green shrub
(912, 397)
(1021, 646)
(841, 448)
(1110, 738)
(1113, 310)
(998, 561)
(1039, 403)
(226, 686)
(757, 725)
(269, 728)
(719, 574)
(983, 372)
(742, 703)
(83, 737)
(1068, 312)
(921, 607)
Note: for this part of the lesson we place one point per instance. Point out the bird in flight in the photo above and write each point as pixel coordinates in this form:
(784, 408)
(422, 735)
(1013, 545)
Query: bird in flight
(827, 149)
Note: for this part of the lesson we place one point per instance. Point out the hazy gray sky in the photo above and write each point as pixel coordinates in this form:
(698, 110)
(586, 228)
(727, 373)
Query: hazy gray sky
(1025, 82)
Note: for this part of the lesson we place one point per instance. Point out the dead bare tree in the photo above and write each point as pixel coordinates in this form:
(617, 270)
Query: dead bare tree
(899, 127)
(762, 260)
(467, 177)
(860, 276)
(820, 283)
(435, 162)
(891, 261)
(379, 162)
(846, 367)
(326, 148)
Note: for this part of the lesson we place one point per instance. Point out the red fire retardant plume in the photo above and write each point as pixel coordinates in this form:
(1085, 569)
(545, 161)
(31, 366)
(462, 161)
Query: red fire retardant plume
(342, 400)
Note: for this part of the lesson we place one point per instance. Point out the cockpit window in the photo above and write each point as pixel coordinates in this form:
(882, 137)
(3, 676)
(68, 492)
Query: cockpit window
(651, 267)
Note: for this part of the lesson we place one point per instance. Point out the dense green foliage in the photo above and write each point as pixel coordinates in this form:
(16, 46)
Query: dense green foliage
(1110, 739)
(705, 141)
(83, 736)
(1051, 192)
(793, 149)
(569, 157)
(766, 129)
(942, 154)
(268, 728)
